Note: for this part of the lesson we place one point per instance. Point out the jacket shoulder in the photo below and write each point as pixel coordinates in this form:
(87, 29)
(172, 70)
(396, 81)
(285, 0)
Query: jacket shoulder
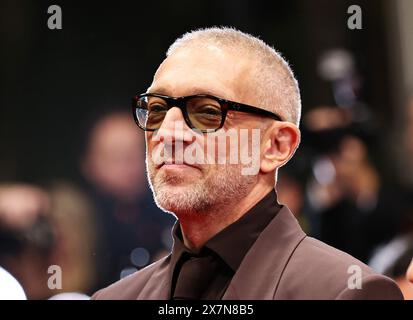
(129, 287)
(318, 271)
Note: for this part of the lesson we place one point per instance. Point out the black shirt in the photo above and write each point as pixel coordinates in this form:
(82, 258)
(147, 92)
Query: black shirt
(206, 275)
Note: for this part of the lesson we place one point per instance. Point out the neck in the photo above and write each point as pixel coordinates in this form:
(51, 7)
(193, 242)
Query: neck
(198, 228)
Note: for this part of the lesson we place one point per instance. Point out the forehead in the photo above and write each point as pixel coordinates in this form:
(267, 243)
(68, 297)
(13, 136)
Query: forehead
(204, 70)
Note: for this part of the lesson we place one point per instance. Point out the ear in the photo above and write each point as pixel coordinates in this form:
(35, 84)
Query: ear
(279, 145)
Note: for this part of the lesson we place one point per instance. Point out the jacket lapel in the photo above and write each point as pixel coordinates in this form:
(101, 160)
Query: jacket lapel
(261, 270)
(158, 287)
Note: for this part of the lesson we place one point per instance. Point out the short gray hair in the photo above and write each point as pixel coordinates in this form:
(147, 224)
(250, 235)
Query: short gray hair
(277, 88)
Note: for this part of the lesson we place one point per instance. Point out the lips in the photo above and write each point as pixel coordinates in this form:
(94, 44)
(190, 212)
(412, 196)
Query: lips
(172, 162)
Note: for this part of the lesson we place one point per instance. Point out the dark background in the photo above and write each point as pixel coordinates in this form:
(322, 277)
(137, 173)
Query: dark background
(53, 80)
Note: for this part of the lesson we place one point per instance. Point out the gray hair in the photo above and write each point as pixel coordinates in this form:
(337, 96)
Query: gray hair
(277, 88)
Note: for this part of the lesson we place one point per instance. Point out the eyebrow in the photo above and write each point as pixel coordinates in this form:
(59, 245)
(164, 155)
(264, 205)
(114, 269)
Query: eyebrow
(190, 92)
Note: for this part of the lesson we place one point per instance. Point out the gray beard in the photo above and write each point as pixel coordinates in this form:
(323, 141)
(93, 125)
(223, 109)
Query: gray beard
(219, 190)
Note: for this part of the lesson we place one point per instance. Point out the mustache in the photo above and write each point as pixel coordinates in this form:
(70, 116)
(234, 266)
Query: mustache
(192, 155)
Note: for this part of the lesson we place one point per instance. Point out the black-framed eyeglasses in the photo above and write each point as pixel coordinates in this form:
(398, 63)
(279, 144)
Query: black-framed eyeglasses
(203, 112)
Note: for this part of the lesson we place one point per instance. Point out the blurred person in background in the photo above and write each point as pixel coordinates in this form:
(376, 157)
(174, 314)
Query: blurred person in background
(356, 204)
(393, 259)
(401, 269)
(405, 279)
(26, 237)
(131, 230)
(409, 273)
(43, 227)
(357, 210)
(405, 282)
(75, 232)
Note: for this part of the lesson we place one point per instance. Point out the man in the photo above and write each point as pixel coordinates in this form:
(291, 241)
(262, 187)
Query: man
(232, 239)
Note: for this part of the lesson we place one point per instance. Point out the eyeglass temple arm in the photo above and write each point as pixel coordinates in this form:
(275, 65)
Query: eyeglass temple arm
(246, 108)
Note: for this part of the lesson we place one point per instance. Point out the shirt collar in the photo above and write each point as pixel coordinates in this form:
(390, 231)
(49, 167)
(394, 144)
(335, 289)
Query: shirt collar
(233, 242)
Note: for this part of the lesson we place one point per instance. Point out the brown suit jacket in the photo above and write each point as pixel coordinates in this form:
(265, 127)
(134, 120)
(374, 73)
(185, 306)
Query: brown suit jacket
(284, 263)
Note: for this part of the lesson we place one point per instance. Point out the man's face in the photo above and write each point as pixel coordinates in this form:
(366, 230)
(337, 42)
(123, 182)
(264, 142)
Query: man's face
(202, 186)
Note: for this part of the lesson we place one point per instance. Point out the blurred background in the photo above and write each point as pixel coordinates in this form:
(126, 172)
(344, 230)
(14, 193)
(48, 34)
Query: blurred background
(73, 189)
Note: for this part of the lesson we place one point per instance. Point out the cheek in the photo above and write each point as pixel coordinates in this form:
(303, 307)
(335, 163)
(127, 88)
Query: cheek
(148, 140)
(151, 147)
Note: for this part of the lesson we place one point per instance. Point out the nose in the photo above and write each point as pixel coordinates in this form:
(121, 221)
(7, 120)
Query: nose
(174, 127)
